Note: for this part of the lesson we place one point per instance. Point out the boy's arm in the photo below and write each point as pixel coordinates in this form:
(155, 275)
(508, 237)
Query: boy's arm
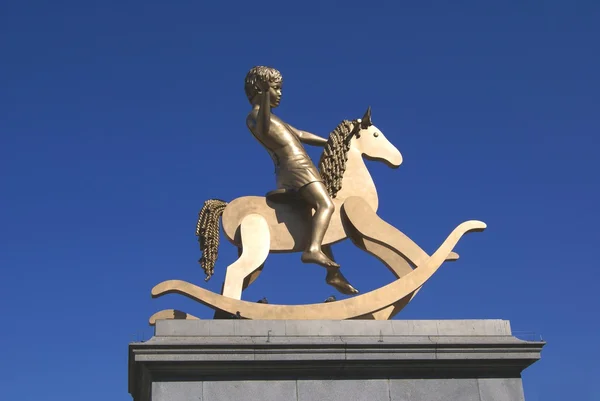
(308, 138)
(263, 119)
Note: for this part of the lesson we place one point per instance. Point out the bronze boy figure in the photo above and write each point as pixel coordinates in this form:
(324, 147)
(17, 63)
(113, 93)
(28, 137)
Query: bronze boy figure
(295, 170)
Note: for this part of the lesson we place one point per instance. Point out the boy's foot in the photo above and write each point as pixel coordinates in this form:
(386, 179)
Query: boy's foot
(319, 258)
(336, 279)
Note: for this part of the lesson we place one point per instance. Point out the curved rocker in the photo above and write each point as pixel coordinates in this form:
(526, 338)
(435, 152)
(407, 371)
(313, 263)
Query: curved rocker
(388, 244)
(170, 314)
(347, 309)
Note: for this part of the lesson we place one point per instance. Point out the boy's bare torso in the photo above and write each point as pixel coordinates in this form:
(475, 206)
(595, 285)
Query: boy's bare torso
(293, 167)
(281, 138)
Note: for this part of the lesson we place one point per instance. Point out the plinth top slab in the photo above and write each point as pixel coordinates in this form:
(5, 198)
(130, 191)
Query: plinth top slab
(275, 328)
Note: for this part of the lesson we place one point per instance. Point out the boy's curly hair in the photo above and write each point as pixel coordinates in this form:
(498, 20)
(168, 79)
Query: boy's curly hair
(262, 73)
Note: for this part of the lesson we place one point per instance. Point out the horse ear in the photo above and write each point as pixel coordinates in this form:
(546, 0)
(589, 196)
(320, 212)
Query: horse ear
(366, 120)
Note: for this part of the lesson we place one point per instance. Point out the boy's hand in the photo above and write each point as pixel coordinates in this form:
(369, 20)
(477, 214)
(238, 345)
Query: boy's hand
(264, 86)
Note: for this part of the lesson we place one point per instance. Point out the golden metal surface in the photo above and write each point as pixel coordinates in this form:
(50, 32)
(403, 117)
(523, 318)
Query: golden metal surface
(372, 234)
(308, 212)
(294, 169)
(170, 314)
(345, 309)
(289, 223)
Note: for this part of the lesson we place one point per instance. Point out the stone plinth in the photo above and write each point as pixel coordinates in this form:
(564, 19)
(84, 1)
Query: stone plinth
(397, 360)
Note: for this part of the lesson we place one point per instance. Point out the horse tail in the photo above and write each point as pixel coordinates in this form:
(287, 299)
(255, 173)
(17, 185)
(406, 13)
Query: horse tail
(207, 231)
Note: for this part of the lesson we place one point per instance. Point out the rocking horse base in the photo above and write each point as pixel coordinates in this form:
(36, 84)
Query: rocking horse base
(250, 360)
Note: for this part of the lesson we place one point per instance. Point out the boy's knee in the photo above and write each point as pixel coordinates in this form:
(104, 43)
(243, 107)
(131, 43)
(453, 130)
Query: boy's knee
(328, 205)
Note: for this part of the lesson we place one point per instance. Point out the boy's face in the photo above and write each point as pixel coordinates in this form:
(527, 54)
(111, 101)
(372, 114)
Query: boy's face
(275, 91)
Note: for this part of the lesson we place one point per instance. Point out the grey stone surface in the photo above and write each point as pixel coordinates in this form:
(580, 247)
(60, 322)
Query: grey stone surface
(347, 328)
(343, 390)
(473, 327)
(300, 355)
(181, 328)
(495, 389)
(259, 328)
(391, 348)
(434, 390)
(338, 328)
(258, 390)
(501, 389)
(335, 340)
(177, 391)
(415, 327)
(464, 360)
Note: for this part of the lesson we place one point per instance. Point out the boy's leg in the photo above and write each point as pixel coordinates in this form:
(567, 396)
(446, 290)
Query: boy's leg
(335, 277)
(315, 194)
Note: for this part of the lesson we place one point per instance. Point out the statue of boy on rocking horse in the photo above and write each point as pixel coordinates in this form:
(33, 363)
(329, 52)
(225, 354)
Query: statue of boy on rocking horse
(310, 210)
(304, 213)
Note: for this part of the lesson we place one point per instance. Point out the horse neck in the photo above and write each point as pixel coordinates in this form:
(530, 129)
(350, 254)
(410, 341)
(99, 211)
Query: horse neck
(357, 181)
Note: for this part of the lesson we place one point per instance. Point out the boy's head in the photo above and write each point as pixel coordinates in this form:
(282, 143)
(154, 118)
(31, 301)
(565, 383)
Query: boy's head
(260, 73)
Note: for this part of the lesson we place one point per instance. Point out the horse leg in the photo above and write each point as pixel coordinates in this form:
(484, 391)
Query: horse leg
(400, 254)
(256, 241)
(364, 221)
(252, 276)
(219, 314)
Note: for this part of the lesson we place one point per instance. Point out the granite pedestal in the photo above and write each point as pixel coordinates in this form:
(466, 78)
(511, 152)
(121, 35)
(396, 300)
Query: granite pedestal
(397, 360)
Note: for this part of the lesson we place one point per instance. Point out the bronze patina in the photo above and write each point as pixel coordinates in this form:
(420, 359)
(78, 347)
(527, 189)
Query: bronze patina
(294, 169)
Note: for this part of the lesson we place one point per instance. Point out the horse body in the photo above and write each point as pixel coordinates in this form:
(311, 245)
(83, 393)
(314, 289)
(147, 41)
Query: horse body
(290, 222)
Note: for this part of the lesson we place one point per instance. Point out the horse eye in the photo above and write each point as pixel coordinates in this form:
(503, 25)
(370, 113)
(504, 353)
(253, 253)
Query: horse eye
(375, 134)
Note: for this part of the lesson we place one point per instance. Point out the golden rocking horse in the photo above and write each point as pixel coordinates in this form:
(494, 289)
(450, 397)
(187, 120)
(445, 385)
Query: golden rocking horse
(262, 225)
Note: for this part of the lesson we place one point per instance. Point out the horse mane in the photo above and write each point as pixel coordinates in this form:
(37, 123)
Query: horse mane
(332, 164)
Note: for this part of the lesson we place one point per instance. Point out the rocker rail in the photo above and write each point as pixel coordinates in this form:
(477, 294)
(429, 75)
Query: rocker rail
(361, 305)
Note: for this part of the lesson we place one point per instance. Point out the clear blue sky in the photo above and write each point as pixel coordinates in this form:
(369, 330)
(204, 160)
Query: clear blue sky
(119, 118)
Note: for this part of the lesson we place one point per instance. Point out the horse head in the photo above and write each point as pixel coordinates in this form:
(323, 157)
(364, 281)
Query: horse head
(371, 142)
